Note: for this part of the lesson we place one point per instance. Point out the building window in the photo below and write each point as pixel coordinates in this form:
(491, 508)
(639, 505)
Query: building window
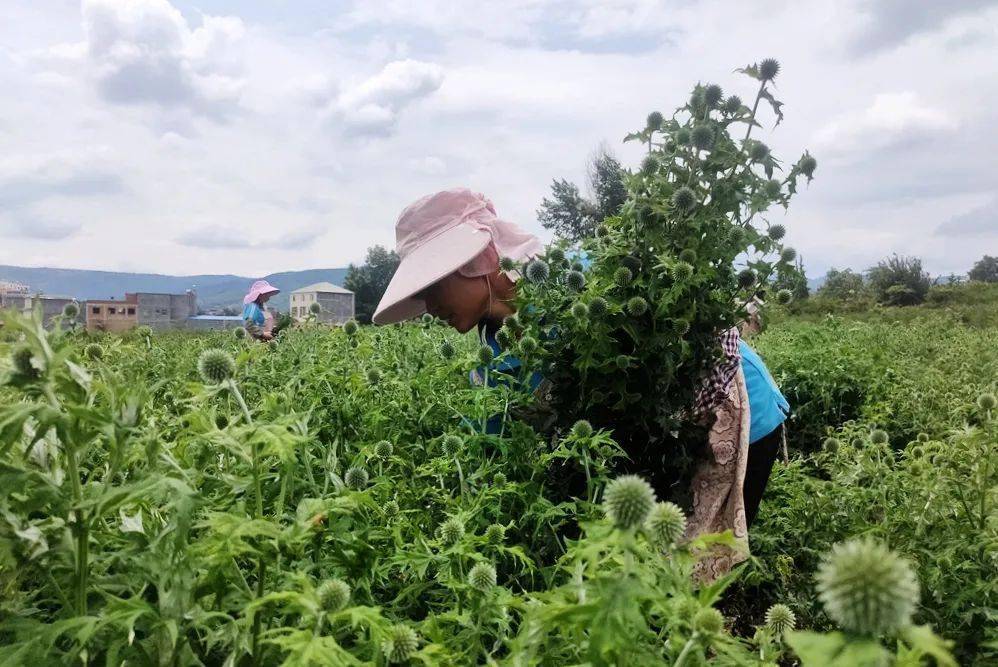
(110, 310)
(95, 310)
(131, 311)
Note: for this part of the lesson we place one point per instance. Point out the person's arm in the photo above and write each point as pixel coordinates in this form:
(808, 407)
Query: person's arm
(254, 329)
(715, 385)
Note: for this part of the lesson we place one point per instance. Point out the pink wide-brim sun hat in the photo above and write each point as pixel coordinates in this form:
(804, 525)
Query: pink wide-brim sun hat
(437, 235)
(259, 288)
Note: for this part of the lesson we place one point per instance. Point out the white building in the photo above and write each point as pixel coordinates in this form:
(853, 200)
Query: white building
(336, 302)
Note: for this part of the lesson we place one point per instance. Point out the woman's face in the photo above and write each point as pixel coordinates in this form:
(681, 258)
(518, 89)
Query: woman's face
(458, 300)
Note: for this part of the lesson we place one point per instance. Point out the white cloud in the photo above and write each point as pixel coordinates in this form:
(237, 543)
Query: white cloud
(372, 107)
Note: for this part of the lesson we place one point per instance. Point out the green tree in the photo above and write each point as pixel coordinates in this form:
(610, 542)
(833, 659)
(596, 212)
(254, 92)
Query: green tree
(985, 270)
(844, 285)
(573, 216)
(369, 281)
(899, 281)
(794, 278)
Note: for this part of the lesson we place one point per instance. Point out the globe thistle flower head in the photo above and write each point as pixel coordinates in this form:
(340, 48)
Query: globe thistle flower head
(831, 445)
(665, 525)
(922, 437)
(427, 319)
(482, 576)
(773, 188)
(556, 255)
(780, 619)
(71, 310)
(239, 333)
(391, 508)
(512, 322)
(315, 308)
(400, 644)
(777, 232)
(528, 344)
(355, 478)
(486, 354)
(451, 531)
(507, 264)
(580, 311)
(759, 151)
(628, 501)
(538, 271)
(733, 104)
(768, 69)
(350, 327)
(333, 595)
(682, 271)
(577, 266)
(708, 621)
(688, 255)
(788, 255)
(504, 338)
(736, 235)
(986, 402)
(684, 136)
(598, 307)
(93, 351)
(373, 376)
(451, 445)
(807, 165)
(655, 120)
(622, 361)
(879, 437)
(712, 95)
(576, 280)
(637, 306)
(857, 443)
(499, 479)
(21, 357)
(623, 276)
(447, 350)
(866, 588)
(681, 327)
(746, 278)
(495, 534)
(582, 429)
(784, 297)
(683, 199)
(383, 450)
(703, 137)
(216, 366)
(649, 165)
(632, 261)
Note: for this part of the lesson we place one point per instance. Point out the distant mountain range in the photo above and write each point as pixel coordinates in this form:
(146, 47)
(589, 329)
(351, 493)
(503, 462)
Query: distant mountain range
(214, 291)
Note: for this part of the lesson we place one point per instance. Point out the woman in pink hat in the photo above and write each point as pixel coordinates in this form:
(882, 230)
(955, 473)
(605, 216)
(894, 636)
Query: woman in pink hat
(256, 319)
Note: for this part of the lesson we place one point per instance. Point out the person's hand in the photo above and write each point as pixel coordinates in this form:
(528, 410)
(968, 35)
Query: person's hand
(267, 336)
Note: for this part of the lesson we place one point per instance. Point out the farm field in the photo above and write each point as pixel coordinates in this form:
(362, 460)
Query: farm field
(330, 499)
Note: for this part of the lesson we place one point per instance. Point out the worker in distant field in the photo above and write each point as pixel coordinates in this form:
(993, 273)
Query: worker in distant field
(450, 243)
(257, 320)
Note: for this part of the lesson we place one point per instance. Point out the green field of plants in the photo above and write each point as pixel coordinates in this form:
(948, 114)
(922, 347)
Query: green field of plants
(323, 500)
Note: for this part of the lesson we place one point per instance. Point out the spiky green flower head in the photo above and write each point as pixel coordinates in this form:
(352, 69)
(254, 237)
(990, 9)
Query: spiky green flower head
(712, 95)
(708, 621)
(93, 351)
(216, 366)
(507, 264)
(373, 376)
(623, 361)
(986, 402)
(315, 308)
(831, 445)
(451, 445)
(486, 354)
(576, 280)
(688, 255)
(746, 278)
(513, 323)
(628, 501)
(21, 357)
(71, 310)
(528, 344)
(333, 595)
(495, 534)
(788, 255)
(733, 104)
(556, 255)
(499, 479)
(239, 333)
(504, 338)
(623, 276)
(866, 588)
(777, 232)
(632, 261)
(736, 235)
(773, 188)
(482, 576)
(759, 151)
(356, 478)
(451, 531)
(807, 165)
(400, 644)
(922, 437)
(577, 266)
(879, 437)
(447, 350)
(780, 619)
(680, 326)
(391, 508)
(383, 450)
(598, 307)
(665, 525)
(649, 165)
(582, 429)
(768, 69)
(703, 137)
(683, 199)
(682, 271)
(857, 443)
(538, 271)
(655, 120)
(637, 306)
(580, 311)
(350, 327)
(684, 136)
(784, 297)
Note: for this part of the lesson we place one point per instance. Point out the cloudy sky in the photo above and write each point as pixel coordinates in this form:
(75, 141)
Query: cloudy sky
(224, 136)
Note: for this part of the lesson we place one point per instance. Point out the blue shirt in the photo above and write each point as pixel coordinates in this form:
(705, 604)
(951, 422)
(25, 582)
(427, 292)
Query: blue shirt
(767, 406)
(254, 313)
